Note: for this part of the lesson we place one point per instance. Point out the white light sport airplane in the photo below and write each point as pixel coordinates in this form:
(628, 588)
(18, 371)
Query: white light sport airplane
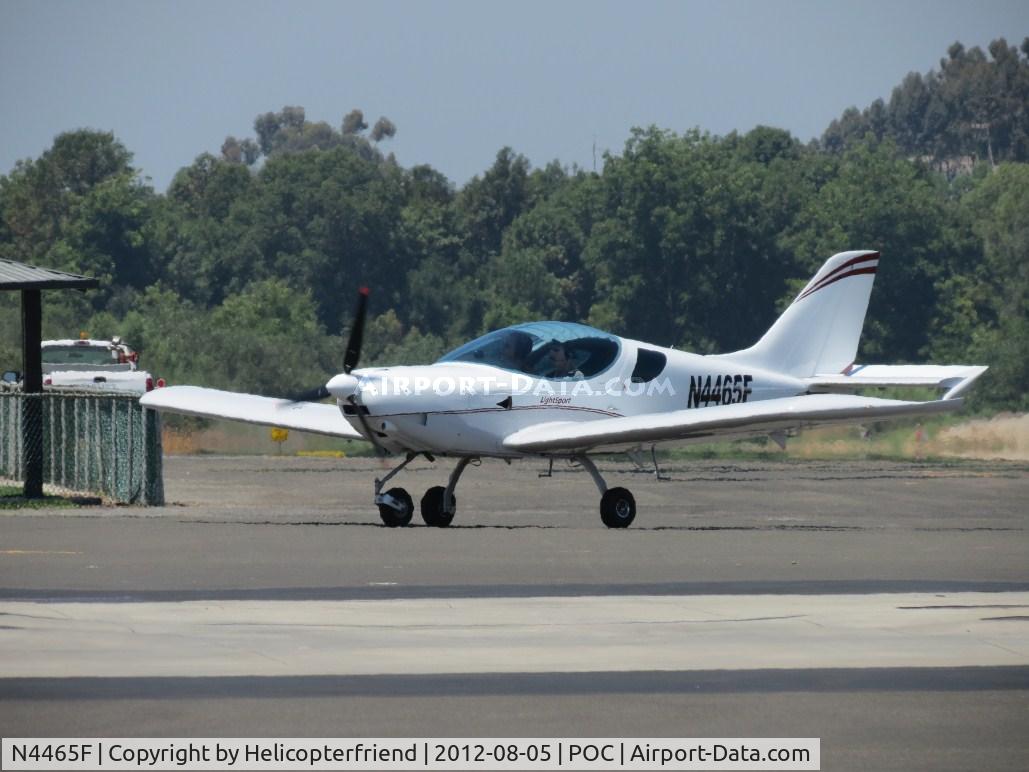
(566, 391)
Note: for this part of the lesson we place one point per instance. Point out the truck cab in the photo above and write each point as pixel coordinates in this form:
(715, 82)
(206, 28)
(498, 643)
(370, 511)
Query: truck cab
(87, 363)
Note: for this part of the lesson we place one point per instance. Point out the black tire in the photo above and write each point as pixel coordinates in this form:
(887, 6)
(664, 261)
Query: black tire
(617, 508)
(433, 512)
(393, 518)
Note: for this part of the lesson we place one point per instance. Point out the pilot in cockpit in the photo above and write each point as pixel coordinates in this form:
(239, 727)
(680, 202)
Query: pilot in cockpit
(516, 349)
(558, 364)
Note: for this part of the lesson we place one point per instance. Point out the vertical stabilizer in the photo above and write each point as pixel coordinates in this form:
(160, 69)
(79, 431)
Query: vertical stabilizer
(819, 332)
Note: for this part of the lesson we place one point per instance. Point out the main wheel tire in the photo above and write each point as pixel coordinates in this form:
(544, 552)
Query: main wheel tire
(433, 512)
(393, 518)
(617, 508)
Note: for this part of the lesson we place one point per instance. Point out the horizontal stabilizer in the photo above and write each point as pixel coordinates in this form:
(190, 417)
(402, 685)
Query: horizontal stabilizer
(954, 378)
(250, 408)
(716, 423)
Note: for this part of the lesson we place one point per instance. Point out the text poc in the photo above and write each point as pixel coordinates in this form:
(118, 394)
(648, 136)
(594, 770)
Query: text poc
(592, 752)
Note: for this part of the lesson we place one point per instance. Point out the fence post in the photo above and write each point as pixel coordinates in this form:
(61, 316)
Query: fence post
(98, 434)
(32, 388)
(152, 463)
(64, 443)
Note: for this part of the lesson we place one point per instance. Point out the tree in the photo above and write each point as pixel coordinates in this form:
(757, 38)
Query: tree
(267, 339)
(489, 204)
(245, 152)
(353, 122)
(267, 126)
(81, 207)
(251, 151)
(878, 200)
(232, 150)
(384, 128)
(972, 107)
(293, 117)
(988, 304)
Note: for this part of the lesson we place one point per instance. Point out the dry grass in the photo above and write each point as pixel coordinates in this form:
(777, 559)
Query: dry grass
(226, 438)
(1001, 437)
(1004, 436)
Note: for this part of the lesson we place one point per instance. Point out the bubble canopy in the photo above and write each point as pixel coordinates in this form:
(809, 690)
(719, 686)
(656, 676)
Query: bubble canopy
(556, 350)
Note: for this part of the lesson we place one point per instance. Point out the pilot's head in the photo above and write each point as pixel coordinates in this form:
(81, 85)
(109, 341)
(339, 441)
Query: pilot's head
(558, 355)
(517, 346)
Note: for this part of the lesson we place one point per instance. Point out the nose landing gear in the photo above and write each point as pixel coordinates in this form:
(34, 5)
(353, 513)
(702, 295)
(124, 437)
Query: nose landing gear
(438, 505)
(395, 505)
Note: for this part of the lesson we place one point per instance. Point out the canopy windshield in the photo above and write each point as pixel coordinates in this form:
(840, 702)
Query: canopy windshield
(543, 350)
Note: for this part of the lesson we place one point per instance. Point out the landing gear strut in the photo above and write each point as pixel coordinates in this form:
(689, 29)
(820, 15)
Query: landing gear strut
(617, 506)
(395, 505)
(439, 504)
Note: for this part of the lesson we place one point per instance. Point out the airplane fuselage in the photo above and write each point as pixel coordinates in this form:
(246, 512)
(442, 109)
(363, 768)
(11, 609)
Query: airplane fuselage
(467, 408)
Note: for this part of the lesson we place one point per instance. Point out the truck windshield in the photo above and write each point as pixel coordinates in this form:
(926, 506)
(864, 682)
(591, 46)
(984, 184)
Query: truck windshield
(77, 355)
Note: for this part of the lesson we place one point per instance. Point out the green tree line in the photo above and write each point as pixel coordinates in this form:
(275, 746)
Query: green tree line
(244, 273)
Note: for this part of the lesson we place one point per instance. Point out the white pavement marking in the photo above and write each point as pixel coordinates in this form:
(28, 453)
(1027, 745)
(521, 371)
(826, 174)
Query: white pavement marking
(501, 635)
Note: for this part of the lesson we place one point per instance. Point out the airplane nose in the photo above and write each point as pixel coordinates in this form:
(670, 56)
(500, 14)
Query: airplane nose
(342, 386)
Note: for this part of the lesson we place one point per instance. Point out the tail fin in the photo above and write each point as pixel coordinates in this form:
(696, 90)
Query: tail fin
(820, 330)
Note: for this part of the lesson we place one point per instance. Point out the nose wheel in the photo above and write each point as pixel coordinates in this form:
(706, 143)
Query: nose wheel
(439, 504)
(395, 505)
(434, 513)
(396, 508)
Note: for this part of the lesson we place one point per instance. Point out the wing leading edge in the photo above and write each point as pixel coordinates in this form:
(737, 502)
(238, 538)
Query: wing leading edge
(250, 408)
(718, 422)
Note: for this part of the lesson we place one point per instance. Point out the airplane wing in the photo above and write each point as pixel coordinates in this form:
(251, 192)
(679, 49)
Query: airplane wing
(250, 408)
(716, 423)
(955, 378)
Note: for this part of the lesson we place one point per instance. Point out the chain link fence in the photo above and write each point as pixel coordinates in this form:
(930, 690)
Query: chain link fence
(103, 443)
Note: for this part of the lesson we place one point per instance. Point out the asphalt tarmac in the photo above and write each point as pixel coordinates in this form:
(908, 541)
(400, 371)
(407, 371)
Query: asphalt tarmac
(881, 606)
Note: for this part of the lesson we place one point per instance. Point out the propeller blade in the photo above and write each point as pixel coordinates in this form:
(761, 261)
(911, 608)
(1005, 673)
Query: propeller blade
(353, 352)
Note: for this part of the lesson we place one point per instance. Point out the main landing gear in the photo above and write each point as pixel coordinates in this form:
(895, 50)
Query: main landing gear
(438, 506)
(617, 506)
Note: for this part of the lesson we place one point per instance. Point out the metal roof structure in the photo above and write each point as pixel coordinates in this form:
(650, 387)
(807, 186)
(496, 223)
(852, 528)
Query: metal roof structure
(31, 280)
(19, 276)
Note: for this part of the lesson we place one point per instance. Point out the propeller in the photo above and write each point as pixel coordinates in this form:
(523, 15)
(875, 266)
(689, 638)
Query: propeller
(345, 385)
(342, 386)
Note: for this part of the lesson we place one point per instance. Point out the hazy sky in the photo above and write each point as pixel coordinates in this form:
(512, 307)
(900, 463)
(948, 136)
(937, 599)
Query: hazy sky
(461, 79)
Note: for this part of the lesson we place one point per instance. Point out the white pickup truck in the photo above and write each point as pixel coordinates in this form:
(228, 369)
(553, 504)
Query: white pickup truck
(95, 364)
